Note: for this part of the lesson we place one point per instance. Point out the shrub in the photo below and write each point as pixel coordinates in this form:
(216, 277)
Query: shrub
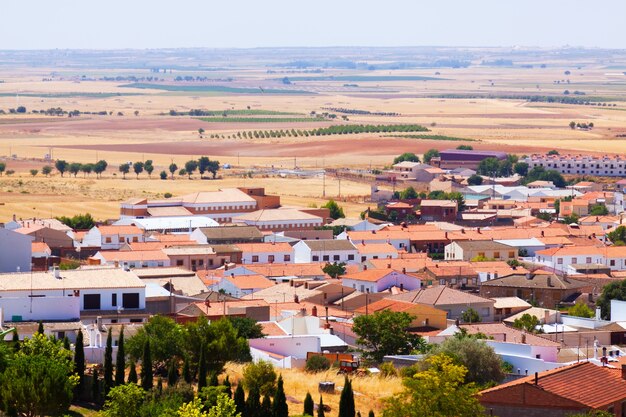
(387, 369)
(317, 363)
(167, 195)
(260, 375)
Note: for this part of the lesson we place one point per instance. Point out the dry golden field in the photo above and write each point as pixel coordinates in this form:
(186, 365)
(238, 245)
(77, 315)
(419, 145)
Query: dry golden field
(512, 125)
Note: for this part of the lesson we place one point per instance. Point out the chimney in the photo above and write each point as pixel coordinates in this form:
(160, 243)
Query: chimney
(623, 371)
(543, 233)
(446, 235)
(524, 338)
(463, 231)
(365, 267)
(296, 299)
(388, 266)
(598, 313)
(549, 281)
(546, 316)
(314, 311)
(57, 272)
(478, 230)
(14, 217)
(528, 275)
(404, 270)
(536, 378)
(504, 334)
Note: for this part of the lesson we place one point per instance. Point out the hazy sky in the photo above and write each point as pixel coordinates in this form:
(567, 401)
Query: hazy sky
(37, 24)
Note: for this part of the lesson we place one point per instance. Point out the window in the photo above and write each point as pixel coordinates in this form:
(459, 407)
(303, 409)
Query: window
(130, 300)
(612, 262)
(442, 282)
(574, 260)
(588, 259)
(363, 258)
(336, 257)
(135, 239)
(255, 258)
(179, 262)
(512, 254)
(287, 258)
(107, 240)
(559, 261)
(114, 300)
(351, 257)
(481, 255)
(91, 302)
(201, 262)
(121, 239)
(316, 258)
(326, 258)
(496, 255)
(270, 258)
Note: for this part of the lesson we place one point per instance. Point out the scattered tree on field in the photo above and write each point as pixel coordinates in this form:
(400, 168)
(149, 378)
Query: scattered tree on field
(124, 169)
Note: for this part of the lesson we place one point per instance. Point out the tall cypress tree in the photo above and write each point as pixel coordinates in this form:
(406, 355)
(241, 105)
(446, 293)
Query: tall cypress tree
(346, 401)
(172, 374)
(253, 403)
(108, 364)
(120, 360)
(79, 362)
(240, 400)
(213, 381)
(202, 371)
(95, 386)
(132, 373)
(371, 413)
(16, 341)
(266, 405)
(280, 407)
(66, 344)
(186, 371)
(146, 368)
(320, 408)
(229, 388)
(40, 328)
(308, 405)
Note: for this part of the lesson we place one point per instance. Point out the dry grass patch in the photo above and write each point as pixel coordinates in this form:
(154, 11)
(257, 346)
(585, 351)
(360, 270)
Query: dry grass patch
(369, 391)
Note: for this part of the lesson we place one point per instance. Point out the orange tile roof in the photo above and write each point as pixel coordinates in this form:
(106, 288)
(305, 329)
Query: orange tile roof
(250, 281)
(119, 230)
(140, 246)
(512, 335)
(270, 328)
(570, 251)
(281, 269)
(578, 382)
(409, 264)
(375, 248)
(370, 275)
(170, 237)
(386, 304)
(40, 247)
(28, 230)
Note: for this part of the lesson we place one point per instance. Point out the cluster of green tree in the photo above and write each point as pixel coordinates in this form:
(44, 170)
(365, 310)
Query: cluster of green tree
(336, 212)
(3, 167)
(430, 154)
(78, 222)
(615, 290)
(407, 156)
(75, 167)
(232, 112)
(441, 195)
(574, 125)
(360, 112)
(352, 129)
(465, 147)
(618, 236)
(263, 134)
(539, 173)
(435, 137)
(37, 376)
(494, 167)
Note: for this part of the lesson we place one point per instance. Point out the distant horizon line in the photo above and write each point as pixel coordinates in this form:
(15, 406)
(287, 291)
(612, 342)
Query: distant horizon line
(477, 47)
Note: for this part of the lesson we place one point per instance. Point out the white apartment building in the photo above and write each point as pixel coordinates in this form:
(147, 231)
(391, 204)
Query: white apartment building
(609, 166)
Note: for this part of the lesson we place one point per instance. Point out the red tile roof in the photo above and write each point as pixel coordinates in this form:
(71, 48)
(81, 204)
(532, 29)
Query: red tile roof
(584, 383)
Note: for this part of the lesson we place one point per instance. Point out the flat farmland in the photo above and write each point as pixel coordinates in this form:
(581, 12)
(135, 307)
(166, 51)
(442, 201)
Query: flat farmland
(487, 106)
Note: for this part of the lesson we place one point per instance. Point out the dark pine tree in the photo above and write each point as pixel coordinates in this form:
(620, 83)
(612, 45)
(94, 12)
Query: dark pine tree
(253, 403)
(213, 381)
(280, 407)
(229, 388)
(95, 386)
(371, 413)
(146, 368)
(16, 341)
(186, 371)
(108, 364)
(202, 371)
(240, 400)
(346, 400)
(132, 372)
(79, 363)
(172, 374)
(120, 360)
(309, 406)
(266, 405)
(40, 328)
(320, 408)
(66, 344)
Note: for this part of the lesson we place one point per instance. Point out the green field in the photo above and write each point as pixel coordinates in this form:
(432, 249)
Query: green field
(212, 89)
(260, 119)
(70, 95)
